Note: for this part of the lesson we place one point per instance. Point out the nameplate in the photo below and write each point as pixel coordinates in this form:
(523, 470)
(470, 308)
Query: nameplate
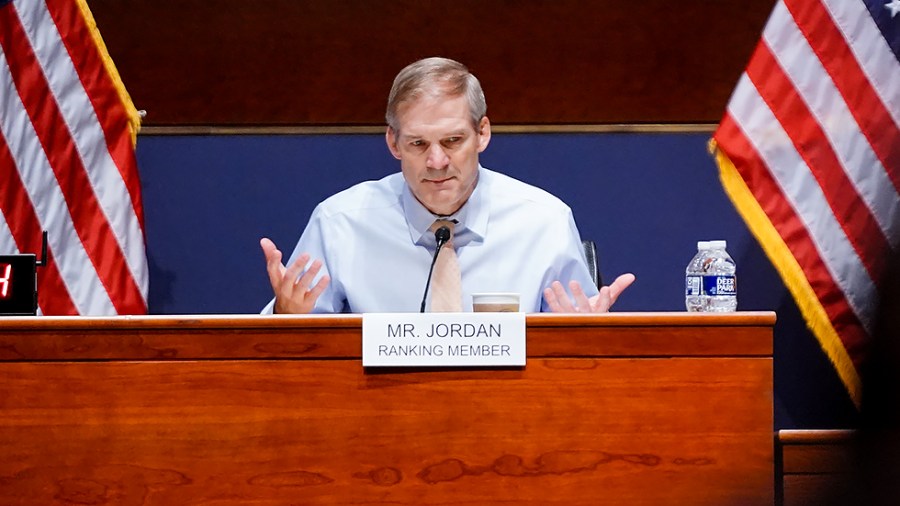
(443, 339)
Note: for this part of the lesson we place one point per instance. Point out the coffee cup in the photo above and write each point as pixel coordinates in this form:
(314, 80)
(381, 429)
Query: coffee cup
(495, 302)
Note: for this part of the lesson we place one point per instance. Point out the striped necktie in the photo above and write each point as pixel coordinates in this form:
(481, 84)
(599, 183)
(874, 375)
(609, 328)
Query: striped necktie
(446, 287)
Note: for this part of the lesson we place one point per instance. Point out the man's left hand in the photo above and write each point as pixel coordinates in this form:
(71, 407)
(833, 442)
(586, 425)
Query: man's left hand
(559, 300)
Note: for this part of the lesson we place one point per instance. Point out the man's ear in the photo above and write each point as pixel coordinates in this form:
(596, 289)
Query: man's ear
(484, 133)
(391, 139)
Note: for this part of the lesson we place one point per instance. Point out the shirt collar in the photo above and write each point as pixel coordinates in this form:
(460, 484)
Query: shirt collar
(472, 217)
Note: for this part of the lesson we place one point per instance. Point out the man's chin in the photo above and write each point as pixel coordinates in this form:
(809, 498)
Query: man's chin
(442, 207)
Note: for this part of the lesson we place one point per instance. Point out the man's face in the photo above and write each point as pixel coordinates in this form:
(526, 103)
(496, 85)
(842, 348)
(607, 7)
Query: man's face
(438, 151)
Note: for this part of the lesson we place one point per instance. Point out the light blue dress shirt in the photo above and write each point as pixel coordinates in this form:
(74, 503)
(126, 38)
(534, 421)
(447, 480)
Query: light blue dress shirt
(375, 243)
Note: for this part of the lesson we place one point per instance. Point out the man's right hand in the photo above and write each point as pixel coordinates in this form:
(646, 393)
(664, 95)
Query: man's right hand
(293, 293)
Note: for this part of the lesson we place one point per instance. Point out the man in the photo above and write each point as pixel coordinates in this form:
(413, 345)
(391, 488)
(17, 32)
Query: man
(371, 245)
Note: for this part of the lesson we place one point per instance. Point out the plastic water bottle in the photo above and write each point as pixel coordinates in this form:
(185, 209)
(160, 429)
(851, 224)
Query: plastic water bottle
(694, 297)
(719, 280)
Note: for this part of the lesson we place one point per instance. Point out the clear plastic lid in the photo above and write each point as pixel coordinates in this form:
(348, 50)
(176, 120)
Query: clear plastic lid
(717, 244)
(702, 245)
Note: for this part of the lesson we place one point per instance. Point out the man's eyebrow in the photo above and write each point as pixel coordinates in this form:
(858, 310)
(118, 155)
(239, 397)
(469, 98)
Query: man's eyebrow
(453, 133)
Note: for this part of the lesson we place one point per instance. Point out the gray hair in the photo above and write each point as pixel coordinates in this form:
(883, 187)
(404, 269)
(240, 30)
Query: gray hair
(435, 76)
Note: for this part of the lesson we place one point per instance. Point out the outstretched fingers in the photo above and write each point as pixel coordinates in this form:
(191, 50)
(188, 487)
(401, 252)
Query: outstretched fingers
(619, 285)
(292, 278)
(560, 302)
(313, 294)
(293, 285)
(297, 293)
(601, 302)
(304, 282)
(273, 262)
(582, 304)
(557, 299)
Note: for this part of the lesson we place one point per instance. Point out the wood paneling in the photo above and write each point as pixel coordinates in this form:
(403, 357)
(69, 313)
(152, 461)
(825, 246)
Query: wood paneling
(311, 62)
(818, 466)
(99, 422)
(817, 451)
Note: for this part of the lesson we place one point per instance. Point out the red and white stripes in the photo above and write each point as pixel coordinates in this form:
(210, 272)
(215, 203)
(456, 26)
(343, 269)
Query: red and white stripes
(67, 161)
(813, 132)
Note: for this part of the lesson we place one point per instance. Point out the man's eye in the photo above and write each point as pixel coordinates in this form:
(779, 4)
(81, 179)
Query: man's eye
(417, 143)
(451, 140)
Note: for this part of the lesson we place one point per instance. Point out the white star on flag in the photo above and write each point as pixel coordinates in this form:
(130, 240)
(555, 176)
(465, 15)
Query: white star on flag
(894, 7)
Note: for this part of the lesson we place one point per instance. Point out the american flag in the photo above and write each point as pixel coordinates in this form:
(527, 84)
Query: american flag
(67, 163)
(809, 152)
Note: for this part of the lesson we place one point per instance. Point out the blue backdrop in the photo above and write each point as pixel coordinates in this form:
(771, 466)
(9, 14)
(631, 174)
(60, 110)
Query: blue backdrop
(646, 199)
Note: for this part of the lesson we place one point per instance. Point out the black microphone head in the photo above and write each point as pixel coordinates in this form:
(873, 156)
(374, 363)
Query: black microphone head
(442, 234)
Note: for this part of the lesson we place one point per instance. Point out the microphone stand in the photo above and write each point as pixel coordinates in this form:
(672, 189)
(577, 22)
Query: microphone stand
(441, 235)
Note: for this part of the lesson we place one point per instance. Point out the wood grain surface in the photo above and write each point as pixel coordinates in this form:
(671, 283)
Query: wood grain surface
(821, 467)
(198, 426)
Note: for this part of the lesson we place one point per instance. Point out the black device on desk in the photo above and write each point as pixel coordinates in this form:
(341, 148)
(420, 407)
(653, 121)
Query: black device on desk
(18, 282)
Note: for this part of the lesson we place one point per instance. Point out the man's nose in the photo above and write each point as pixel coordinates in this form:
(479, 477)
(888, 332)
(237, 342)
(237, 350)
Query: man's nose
(437, 158)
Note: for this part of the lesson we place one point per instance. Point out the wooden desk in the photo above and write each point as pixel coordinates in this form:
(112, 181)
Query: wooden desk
(643, 408)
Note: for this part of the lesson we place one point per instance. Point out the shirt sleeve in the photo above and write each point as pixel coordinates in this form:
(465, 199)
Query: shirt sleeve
(570, 264)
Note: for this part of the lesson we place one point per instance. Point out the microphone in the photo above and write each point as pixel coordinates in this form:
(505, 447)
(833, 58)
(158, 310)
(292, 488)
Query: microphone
(441, 235)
